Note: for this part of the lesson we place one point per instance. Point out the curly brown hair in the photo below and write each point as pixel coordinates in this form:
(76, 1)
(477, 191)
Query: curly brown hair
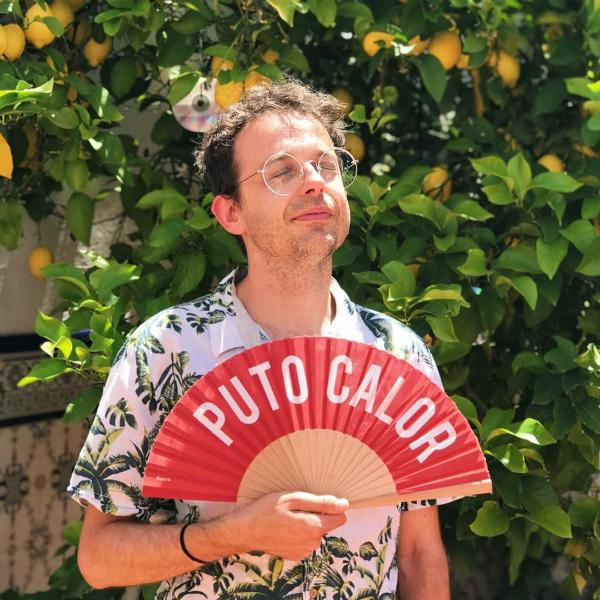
(215, 159)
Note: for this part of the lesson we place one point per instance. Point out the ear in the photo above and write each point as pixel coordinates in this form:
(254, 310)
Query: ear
(227, 213)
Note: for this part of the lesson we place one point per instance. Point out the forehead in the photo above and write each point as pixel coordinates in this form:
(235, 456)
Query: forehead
(275, 132)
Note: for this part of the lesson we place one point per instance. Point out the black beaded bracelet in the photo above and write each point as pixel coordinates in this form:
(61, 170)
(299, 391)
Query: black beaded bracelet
(183, 547)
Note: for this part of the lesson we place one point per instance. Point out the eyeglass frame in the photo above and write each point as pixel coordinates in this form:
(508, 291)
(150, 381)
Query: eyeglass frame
(262, 171)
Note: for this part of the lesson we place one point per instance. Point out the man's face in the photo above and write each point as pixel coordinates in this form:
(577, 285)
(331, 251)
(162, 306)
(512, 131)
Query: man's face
(313, 220)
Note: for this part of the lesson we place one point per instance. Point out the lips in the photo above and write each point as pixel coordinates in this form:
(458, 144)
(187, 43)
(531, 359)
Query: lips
(317, 213)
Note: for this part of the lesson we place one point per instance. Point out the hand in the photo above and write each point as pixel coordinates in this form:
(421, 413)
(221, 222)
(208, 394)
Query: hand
(290, 524)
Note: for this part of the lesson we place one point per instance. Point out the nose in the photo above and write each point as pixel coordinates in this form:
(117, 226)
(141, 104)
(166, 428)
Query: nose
(313, 181)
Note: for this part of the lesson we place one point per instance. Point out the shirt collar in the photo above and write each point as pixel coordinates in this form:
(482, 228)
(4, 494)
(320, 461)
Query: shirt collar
(238, 331)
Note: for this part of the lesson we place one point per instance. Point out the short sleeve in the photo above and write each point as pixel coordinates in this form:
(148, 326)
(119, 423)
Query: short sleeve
(109, 471)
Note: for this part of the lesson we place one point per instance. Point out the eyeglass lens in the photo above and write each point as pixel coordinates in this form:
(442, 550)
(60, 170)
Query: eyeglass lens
(283, 173)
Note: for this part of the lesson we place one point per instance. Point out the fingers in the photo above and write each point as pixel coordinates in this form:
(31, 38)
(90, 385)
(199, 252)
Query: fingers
(324, 505)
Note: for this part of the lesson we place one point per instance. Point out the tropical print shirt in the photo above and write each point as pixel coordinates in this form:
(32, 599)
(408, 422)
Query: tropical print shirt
(160, 360)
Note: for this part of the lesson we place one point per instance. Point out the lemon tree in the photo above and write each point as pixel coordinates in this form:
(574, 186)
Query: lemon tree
(476, 217)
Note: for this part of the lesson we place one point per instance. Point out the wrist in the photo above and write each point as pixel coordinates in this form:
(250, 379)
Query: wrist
(216, 539)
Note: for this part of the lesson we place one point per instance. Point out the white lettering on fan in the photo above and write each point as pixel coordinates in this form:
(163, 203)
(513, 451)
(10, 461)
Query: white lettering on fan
(410, 423)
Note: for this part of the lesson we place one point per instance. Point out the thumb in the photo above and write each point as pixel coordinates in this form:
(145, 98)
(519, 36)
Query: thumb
(326, 505)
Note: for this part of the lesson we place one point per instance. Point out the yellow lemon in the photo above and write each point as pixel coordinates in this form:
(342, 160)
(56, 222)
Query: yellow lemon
(15, 41)
(586, 150)
(72, 94)
(6, 159)
(3, 40)
(39, 257)
(418, 44)
(63, 12)
(344, 97)
(508, 68)
(478, 104)
(446, 47)
(32, 145)
(255, 78)
(80, 32)
(372, 41)
(590, 107)
(95, 53)
(463, 61)
(492, 59)
(355, 145)
(228, 93)
(37, 32)
(270, 56)
(437, 184)
(552, 162)
(217, 64)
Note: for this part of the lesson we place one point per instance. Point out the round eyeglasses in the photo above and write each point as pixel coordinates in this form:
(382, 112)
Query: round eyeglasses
(283, 173)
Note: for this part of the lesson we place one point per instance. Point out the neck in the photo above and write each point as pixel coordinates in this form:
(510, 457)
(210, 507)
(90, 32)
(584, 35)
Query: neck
(287, 300)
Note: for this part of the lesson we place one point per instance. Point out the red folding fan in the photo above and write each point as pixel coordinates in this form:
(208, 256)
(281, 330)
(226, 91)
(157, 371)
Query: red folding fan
(316, 414)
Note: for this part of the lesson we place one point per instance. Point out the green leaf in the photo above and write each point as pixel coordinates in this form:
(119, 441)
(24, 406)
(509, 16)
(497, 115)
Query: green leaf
(171, 202)
(358, 114)
(200, 219)
(475, 265)
(584, 511)
(69, 274)
(149, 590)
(551, 254)
(556, 182)
(590, 207)
(529, 361)
(519, 258)
(190, 268)
(490, 520)
(173, 47)
(123, 75)
(529, 430)
(324, 10)
(494, 418)
(467, 408)
(49, 327)
(11, 224)
(490, 165)
(469, 209)
(443, 292)
(79, 214)
(54, 25)
(84, 405)
(590, 263)
(442, 328)
(292, 57)
(401, 275)
(433, 74)
(498, 194)
(222, 51)
(116, 274)
(527, 288)
(510, 457)
(520, 172)
(588, 410)
(72, 532)
(552, 518)
(65, 118)
(45, 371)
(285, 9)
(580, 233)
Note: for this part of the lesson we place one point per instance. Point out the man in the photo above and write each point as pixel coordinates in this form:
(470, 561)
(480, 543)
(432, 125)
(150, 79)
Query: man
(280, 187)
